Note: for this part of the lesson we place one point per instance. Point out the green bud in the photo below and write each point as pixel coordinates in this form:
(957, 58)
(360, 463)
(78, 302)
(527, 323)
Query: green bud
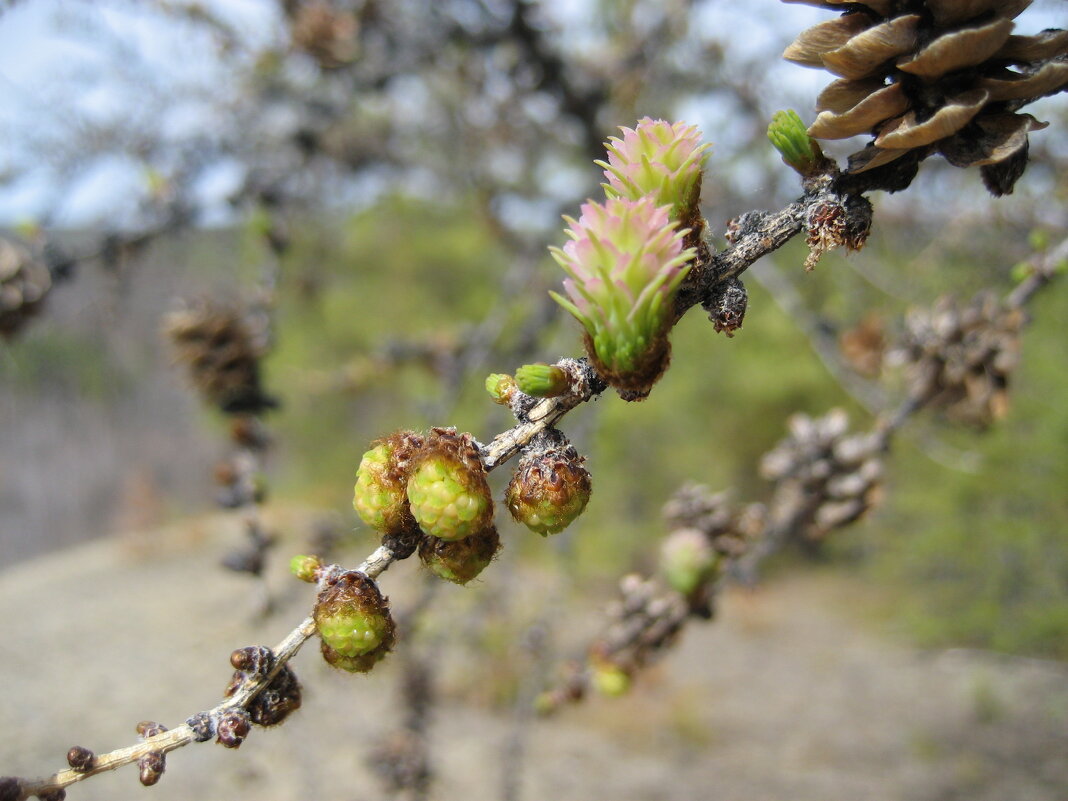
(687, 560)
(447, 490)
(306, 568)
(1021, 271)
(541, 380)
(500, 386)
(461, 560)
(354, 622)
(610, 680)
(790, 137)
(1038, 239)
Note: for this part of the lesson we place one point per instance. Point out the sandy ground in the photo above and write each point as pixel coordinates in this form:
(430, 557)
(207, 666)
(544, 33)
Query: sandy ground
(787, 696)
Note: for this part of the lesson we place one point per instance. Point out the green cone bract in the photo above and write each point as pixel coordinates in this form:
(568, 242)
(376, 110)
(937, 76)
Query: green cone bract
(548, 490)
(460, 561)
(447, 490)
(379, 496)
(354, 622)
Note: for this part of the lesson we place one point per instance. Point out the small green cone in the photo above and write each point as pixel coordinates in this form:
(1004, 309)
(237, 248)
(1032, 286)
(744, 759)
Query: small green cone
(687, 560)
(798, 150)
(447, 490)
(461, 560)
(610, 680)
(541, 380)
(379, 496)
(306, 568)
(549, 489)
(354, 622)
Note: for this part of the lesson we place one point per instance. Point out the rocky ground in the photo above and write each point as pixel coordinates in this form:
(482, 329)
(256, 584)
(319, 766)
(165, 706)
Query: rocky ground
(788, 695)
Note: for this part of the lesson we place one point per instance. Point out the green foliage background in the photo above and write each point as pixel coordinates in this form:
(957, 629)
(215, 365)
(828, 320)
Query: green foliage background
(976, 558)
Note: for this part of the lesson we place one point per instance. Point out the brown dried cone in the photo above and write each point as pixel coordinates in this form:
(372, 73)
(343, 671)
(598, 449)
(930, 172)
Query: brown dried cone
(24, 284)
(645, 622)
(222, 356)
(708, 530)
(833, 477)
(459, 561)
(354, 622)
(962, 357)
(329, 35)
(550, 487)
(945, 76)
(729, 528)
(864, 345)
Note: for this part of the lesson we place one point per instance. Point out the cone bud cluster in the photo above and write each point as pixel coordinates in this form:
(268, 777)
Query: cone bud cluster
(460, 561)
(550, 487)
(202, 725)
(447, 489)
(10, 789)
(354, 622)
(277, 700)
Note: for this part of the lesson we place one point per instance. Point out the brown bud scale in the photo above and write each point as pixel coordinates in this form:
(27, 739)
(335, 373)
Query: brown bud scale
(233, 727)
(80, 758)
(151, 767)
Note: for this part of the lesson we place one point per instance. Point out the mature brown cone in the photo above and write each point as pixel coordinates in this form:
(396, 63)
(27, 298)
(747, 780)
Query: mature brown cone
(933, 76)
(820, 467)
(24, 284)
(328, 34)
(963, 356)
(222, 355)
